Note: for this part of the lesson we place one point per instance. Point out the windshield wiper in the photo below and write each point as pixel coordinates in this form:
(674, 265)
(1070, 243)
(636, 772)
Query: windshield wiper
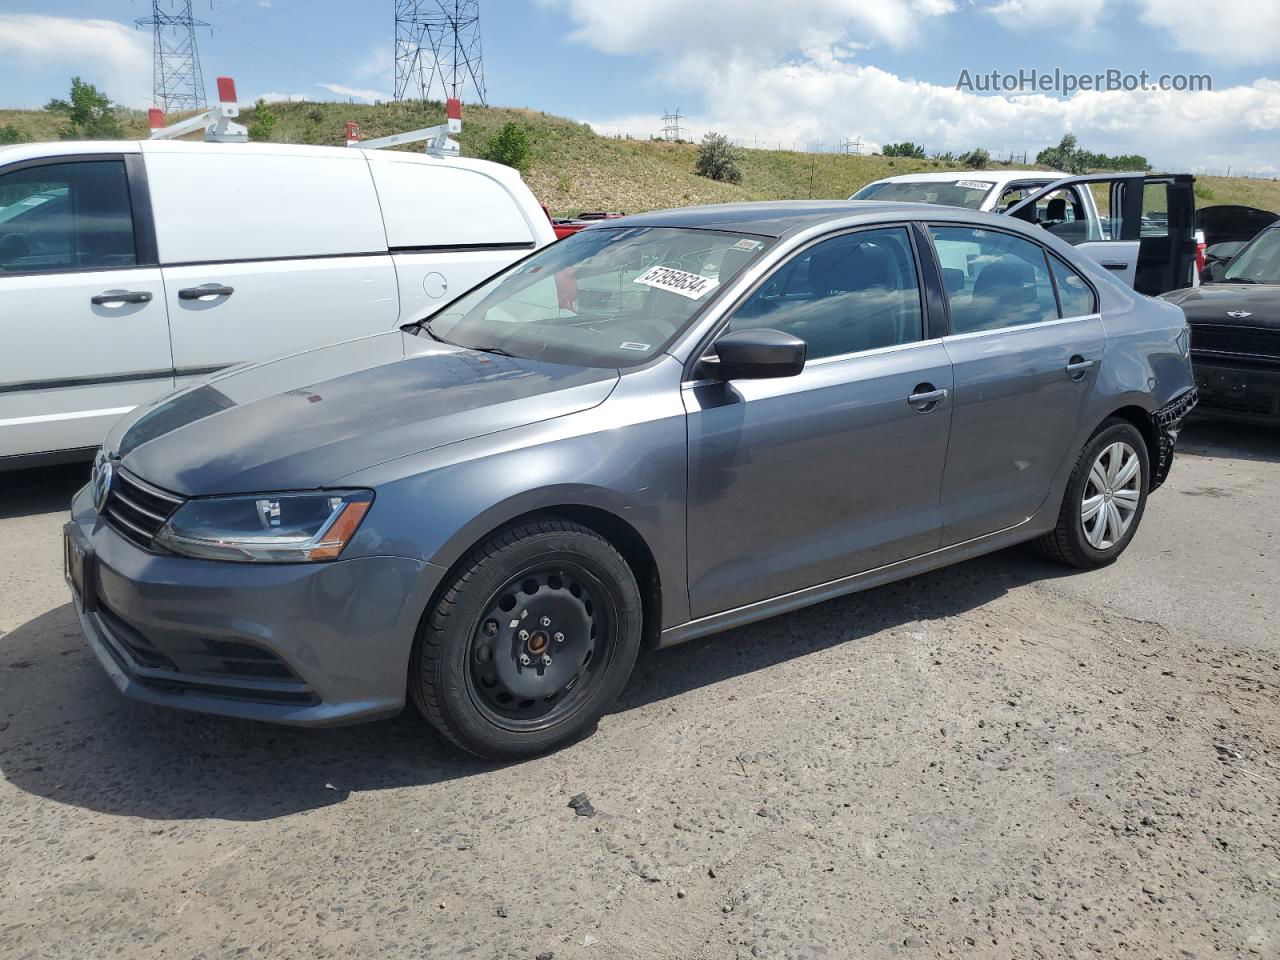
(496, 351)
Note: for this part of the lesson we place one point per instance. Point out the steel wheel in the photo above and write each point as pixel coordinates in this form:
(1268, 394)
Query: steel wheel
(1112, 493)
(544, 639)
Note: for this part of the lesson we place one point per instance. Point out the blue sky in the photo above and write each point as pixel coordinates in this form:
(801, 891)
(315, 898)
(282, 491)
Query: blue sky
(794, 72)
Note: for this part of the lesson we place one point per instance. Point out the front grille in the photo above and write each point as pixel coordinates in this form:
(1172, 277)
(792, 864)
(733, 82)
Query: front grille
(136, 510)
(1255, 343)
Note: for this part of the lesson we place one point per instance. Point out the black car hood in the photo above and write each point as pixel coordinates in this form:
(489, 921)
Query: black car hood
(306, 420)
(1212, 302)
(1232, 222)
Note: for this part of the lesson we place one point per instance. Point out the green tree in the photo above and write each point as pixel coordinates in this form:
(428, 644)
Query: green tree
(904, 149)
(718, 159)
(90, 113)
(1066, 156)
(509, 146)
(11, 134)
(262, 123)
(976, 159)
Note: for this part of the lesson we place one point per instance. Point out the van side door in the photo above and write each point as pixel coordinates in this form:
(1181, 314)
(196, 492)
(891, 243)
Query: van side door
(449, 226)
(266, 250)
(82, 309)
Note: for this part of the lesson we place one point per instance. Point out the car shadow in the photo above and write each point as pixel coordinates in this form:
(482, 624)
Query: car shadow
(24, 493)
(1203, 435)
(66, 734)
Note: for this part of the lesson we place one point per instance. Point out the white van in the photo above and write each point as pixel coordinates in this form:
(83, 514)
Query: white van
(128, 269)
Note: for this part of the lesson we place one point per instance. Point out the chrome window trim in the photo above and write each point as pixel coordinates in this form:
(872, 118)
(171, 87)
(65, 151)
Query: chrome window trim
(975, 334)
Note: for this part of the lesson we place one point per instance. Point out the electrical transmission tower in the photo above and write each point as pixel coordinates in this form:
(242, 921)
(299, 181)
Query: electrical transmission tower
(438, 49)
(176, 79)
(671, 129)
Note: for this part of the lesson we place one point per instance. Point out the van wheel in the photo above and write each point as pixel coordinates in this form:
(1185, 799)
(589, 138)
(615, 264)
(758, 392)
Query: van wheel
(1105, 498)
(530, 643)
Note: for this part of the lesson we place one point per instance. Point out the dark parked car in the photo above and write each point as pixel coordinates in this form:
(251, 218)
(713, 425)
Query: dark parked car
(1235, 333)
(1226, 230)
(658, 428)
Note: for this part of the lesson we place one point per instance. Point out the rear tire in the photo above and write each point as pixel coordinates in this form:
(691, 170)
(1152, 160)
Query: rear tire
(1105, 498)
(530, 643)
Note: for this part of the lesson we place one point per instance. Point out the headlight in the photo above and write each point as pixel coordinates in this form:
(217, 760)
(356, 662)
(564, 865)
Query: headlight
(267, 528)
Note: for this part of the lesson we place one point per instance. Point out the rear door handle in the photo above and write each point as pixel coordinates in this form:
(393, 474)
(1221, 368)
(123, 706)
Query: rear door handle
(206, 291)
(1078, 367)
(121, 296)
(926, 397)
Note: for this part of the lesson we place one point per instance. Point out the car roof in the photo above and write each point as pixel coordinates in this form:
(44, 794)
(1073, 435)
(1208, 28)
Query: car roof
(780, 218)
(999, 177)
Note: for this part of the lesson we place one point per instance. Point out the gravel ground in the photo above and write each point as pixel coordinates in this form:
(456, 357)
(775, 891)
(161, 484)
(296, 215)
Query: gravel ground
(1003, 759)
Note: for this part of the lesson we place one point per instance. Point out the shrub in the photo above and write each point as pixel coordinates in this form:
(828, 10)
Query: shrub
(718, 159)
(11, 134)
(509, 146)
(904, 149)
(89, 110)
(262, 123)
(976, 159)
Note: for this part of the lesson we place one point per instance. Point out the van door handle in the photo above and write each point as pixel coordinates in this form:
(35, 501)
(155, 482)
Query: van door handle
(1078, 367)
(121, 296)
(925, 397)
(1113, 265)
(206, 291)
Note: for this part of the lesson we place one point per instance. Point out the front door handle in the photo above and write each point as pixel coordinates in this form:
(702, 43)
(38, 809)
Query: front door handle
(206, 291)
(1078, 367)
(121, 296)
(925, 397)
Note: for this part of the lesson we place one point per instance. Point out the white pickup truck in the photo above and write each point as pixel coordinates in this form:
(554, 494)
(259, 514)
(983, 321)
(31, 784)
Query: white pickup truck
(1140, 226)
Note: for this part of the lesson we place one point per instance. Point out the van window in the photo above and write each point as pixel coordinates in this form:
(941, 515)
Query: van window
(235, 203)
(438, 205)
(994, 279)
(850, 293)
(66, 216)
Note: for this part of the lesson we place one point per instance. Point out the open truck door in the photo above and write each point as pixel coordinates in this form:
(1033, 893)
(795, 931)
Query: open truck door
(1139, 226)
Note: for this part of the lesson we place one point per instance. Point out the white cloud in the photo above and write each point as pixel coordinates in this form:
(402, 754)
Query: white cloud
(275, 97)
(1225, 30)
(800, 102)
(646, 26)
(1019, 14)
(110, 54)
(356, 93)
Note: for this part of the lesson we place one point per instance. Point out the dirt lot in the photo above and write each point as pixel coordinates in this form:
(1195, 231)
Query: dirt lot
(1002, 759)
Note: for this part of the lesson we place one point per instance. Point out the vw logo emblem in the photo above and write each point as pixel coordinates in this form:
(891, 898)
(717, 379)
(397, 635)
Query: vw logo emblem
(102, 478)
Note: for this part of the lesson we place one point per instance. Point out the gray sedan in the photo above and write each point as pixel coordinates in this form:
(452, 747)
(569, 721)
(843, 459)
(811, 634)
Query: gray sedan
(659, 428)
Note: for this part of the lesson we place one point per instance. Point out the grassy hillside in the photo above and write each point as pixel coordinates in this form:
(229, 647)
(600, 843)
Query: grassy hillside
(574, 169)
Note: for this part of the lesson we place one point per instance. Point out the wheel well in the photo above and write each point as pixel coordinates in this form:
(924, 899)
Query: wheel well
(620, 534)
(1145, 426)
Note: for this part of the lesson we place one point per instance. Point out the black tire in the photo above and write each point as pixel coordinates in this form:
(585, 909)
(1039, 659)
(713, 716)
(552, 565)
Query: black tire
(480, 684)
(1068, 542)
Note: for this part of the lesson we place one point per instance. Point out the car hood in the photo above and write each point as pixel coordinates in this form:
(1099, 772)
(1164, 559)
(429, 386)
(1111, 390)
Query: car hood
(1232, 222)
(1212, 302)
(307, 420)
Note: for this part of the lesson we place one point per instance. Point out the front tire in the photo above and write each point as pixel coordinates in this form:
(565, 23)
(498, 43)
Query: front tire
(530, 643)
(1105, 498)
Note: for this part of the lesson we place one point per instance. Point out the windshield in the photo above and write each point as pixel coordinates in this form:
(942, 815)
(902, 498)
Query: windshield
(604, 297)
(952, 193)
(1259, 262)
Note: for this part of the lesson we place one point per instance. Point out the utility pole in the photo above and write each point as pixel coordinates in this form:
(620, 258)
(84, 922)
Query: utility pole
(438, 50)
(177, 83)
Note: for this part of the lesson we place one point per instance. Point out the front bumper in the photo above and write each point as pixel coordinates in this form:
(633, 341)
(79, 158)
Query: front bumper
(303, 644)
(1246, 392)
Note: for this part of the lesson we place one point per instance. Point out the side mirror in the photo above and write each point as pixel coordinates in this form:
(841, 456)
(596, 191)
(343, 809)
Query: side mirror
(755, 355)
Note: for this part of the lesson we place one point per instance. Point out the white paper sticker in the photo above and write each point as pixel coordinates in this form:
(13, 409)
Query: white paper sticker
(748, 245)
(974, 184)
(691, 285)
(633, 346)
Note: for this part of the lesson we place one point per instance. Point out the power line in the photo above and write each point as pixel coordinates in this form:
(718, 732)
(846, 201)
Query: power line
(671, 129)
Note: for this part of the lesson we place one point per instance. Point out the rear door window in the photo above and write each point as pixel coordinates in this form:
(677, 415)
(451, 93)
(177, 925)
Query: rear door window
(850, 293)
(1075, 297)
(993, 280)
(66, 216)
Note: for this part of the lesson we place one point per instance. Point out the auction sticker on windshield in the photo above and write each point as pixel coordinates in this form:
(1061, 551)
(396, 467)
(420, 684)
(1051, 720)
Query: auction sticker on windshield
(974, 184)
(691, 285)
